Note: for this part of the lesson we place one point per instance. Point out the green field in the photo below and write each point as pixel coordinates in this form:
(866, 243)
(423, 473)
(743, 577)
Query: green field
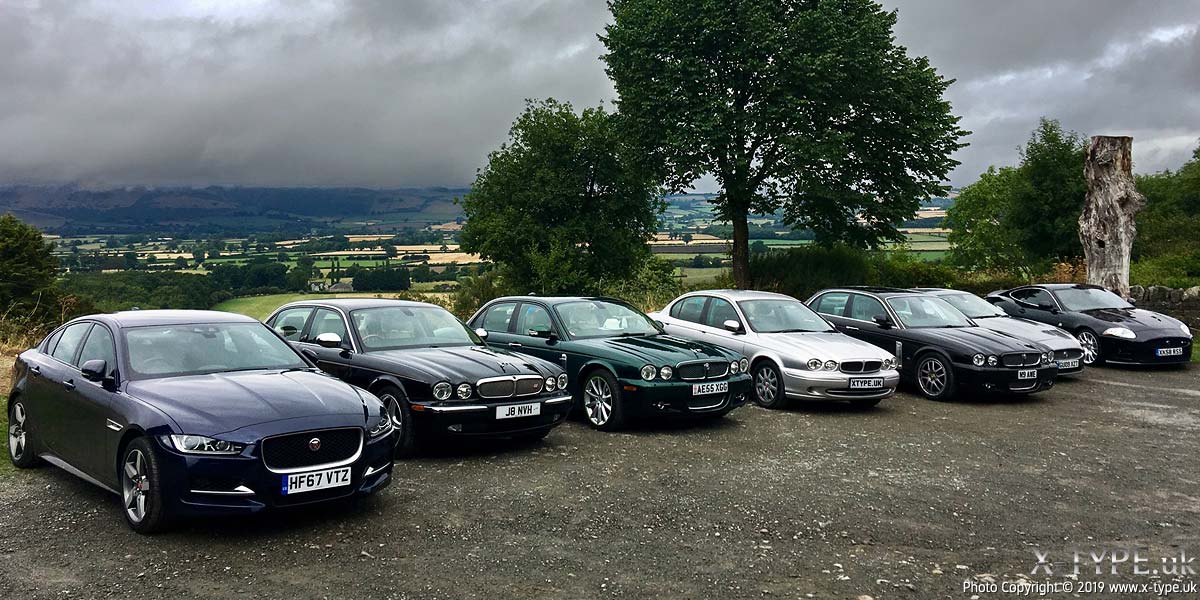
(693, 276)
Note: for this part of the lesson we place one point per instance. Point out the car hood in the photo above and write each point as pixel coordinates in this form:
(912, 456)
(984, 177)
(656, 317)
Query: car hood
(1135, 319)
(467, 363)
(222, 402)
(1047, 335)
(653, 349)
(823, 345)
(975, 340)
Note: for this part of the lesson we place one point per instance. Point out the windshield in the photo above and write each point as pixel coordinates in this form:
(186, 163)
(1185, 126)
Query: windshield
(392, 327)
(920, 312)
(1080, 299)
(599, 318)
(973, 306)
(782, 316)
(195, 349)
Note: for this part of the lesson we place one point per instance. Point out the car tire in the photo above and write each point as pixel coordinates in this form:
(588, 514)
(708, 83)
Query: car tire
(1091, 346)
(601, 401)
(935, 377)
(141, 488)
(396, 401)
(768, 386)
(22, 449)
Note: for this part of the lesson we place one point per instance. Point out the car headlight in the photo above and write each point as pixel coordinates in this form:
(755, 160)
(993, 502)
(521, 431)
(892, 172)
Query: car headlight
(993, 361)
(1046, 358)
(648, 372)
(383, 427)
(464, 390)
(198, 444)
(666, 372)
(889, 363)
(978, 359)
(442, 391)
(734, 366)
(1186, 331)
(745, 365)
(831, 365)
(814, 364)
(1121, 332)
(562, 381)
(551, 383)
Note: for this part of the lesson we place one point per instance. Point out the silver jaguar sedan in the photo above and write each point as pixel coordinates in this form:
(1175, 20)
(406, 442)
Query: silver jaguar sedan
(794, 353)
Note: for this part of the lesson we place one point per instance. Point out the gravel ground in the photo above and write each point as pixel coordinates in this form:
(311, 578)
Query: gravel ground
(904, 501)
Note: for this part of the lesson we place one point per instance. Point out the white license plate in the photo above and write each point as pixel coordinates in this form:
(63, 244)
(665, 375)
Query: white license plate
(296, 483)
(513, 411)
(1169, 352)
(865, 383)
(1069, 364)
(1027, 374)
(705, 389)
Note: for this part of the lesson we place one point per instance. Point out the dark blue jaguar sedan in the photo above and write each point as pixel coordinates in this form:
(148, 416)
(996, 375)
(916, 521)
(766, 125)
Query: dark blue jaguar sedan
(187, 413)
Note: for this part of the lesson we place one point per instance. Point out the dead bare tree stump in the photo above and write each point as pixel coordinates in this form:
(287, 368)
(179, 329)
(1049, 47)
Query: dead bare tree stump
(1107, 227)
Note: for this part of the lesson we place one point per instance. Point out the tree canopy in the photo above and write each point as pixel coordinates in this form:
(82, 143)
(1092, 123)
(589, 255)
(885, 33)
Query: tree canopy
(563, 205)
(809, 106)
(26, 263)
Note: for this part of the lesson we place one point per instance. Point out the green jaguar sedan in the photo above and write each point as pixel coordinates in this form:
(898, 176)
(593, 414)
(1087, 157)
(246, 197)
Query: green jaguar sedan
(619, 361)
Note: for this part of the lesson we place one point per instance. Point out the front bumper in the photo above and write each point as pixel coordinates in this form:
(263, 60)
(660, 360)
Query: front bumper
(479, 419)
(1145, 351)
(641, 398)
(802, 384)
(196, 485)
(1005, 379)
(1069, 361)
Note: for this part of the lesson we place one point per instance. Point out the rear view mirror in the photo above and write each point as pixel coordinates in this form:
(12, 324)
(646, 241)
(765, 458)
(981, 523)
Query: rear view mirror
(94, 370)
(329, 340)
(482, 333)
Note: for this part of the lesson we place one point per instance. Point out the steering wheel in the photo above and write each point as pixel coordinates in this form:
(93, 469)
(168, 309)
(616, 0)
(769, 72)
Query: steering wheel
(371, 338)
(147, 365)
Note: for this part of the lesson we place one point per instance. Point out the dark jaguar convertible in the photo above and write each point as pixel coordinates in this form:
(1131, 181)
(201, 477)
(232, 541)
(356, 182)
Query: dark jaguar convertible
(436, 375)
(193, 413)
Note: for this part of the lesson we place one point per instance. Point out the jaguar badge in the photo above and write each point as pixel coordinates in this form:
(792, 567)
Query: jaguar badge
(314, 444)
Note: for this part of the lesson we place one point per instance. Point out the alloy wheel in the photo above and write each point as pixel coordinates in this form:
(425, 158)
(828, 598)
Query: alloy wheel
(598, 400)
(766, 385)
(135, 485)
(1091, 347)
(393, 410)
(16, 432)
(931, 376)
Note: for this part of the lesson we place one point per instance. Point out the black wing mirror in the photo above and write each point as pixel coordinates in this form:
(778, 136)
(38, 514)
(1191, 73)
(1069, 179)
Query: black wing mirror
(547, 334)
(732, 326)
(94, 370)
(1048, 307)
(882, 320)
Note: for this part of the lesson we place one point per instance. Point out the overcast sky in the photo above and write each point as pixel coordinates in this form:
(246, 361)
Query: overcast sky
(416, 92)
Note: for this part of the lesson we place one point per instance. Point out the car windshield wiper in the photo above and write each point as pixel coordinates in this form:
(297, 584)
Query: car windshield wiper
(632, 334)
(802, 331)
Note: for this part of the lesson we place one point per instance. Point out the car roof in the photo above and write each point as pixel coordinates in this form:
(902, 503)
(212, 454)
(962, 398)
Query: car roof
(940, 291)
(141, 318)
(1067, 286)
(737, 295)
(349, 304)
(882, 292)
(553, 300)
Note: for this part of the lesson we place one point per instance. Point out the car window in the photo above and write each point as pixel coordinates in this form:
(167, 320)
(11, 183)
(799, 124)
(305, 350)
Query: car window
(865, 308)
(198, 348)
(48, 347)
(327, 321)
(498, 317)
(533, 318)
(689, 309)
(69, 342)
(1033, 296)
(290, 323)
(833, 304)
(719, 311)
(99, 346)
(421, 326)
(927, 312)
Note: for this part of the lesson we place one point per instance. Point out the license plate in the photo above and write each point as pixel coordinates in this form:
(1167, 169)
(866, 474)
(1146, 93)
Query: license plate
(513, 411)
(1169, 352)
(705, 389)
(865, 383)
(1027, 374)
(296, 483)
(1069, 364)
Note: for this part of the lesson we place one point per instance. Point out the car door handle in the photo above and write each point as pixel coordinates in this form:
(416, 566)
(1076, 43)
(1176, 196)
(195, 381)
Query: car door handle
(36, 370)
(515, 345)
(69, 384)
(852, 327)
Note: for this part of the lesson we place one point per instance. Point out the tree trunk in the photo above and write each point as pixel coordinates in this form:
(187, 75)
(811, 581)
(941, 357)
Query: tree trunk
(1107, 227)
(741, 250)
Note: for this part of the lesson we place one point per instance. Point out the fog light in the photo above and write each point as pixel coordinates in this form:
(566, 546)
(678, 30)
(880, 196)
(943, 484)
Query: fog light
(456, 428)
(993, 361)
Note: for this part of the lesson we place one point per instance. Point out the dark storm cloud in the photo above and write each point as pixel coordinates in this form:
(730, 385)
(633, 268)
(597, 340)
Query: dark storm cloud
(416, 92)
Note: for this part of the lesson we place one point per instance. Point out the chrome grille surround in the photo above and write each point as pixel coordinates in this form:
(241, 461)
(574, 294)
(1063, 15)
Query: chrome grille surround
(699, 370)
(1021, 359)
(861, 366)
(508, 386)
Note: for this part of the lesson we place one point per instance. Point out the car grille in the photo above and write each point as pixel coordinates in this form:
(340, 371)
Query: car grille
(293, 451)
(694, 371)
(1022, 359)
(1070, 354)
(507, 387)
(861, 366)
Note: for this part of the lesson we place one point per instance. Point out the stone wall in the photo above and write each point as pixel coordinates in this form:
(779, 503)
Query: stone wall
(1183, 304)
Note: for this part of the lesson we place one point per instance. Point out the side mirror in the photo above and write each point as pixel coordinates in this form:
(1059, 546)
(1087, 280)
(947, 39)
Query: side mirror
(1131, 301)
(95, 370)
(329, 340)
(482, 333)
(1048, 307)
(882, 321)
(732, 326)
(547, 334)
(659, 324)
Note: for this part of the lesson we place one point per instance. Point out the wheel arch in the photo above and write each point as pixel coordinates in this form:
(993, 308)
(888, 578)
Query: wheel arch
(387, 380)
(131, 433)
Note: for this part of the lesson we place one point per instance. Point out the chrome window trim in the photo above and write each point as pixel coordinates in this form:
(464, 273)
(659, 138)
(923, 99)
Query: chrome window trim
(332, 465)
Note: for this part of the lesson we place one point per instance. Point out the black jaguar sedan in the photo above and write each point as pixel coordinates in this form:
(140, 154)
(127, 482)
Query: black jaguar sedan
(437, 377)
(188, 413)
(939, 348)
(1108, 327)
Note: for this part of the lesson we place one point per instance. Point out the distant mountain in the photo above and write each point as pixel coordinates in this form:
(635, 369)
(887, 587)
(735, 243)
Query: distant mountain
(74, 210)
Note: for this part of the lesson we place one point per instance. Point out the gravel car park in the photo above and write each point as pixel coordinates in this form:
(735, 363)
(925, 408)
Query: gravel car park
(907, 500)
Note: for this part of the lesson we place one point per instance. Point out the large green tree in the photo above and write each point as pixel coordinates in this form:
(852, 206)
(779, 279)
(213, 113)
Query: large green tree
(564, 205)
(805, 105)
(1170, 224)
(26, 264)
(980, 233)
